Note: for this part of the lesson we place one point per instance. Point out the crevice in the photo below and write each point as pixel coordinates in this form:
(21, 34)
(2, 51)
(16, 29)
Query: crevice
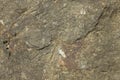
(44, 47)
(36, 47)
(94, 24)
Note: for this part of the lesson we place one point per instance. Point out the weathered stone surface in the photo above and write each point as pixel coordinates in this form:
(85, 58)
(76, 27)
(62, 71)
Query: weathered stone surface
(59, 39)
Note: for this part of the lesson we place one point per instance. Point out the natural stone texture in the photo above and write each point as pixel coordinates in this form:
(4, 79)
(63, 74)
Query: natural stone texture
(59, 39)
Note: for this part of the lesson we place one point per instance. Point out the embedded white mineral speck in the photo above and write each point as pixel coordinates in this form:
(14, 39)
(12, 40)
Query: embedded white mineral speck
(26, 29)
(1, 21)
(83, 11)
(62, 53)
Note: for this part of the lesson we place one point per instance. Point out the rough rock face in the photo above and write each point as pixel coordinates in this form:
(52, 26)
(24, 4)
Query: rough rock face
(59, 39)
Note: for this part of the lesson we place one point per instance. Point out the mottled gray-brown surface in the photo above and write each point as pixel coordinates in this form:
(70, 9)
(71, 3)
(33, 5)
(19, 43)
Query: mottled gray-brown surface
(59, 39)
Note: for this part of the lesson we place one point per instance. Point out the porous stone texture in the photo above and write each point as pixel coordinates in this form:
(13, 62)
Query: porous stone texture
(59, 39)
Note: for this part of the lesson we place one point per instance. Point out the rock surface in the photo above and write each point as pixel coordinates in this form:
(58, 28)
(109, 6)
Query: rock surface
(59, 39)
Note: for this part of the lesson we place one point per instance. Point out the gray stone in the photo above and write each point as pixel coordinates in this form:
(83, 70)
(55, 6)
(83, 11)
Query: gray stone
(34, 32)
